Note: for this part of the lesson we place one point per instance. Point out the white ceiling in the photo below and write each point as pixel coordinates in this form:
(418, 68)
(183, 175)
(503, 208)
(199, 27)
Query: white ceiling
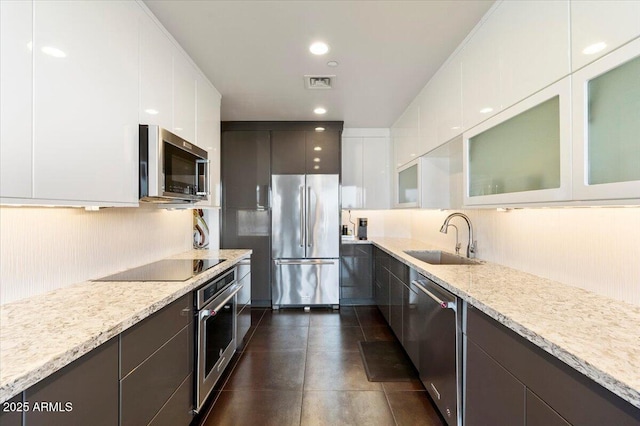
(257, 52)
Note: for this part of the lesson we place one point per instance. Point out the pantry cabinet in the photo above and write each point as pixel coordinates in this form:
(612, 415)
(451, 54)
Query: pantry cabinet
(601, 26)
(522, 155)
(606, 112)
(85, 82)
(16, 101)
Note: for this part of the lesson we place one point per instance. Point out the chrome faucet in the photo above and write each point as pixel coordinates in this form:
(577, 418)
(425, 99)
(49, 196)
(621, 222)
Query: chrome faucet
(471, 246)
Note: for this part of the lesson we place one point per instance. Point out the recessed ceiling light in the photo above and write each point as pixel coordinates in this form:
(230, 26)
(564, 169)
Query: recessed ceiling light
(30, 45)
(316, 167)
(319, 48)
(53, 51)
(316, 160)
(332, 64)
(177, 128)
(151, 111)
(594, 48)
(319, 129)
(486, 110)
(320, 110)
(317, 148)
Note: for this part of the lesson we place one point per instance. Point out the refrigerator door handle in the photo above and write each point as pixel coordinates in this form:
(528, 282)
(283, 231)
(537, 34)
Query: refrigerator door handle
(309, 233)
(302, 221)
(305, 262)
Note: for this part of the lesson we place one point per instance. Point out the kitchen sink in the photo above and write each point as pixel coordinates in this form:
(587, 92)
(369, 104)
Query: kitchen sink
(437, 257)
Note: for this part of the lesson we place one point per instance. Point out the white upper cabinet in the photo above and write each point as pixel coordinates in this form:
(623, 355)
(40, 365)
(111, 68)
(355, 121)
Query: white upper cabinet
(429, 107)
(523, 154)
(208, 135)
(509, 57)
(449, 101)
(365, 169)
(534, 46)
(606, 126)
(16, 101)
(352, 163)
(184, 98)
(598, 27)
(405, 134)
(156, 75)
(86, 92)
(480, 62)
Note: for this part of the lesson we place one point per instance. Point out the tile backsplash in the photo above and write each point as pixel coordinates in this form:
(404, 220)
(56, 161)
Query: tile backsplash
(593, 248)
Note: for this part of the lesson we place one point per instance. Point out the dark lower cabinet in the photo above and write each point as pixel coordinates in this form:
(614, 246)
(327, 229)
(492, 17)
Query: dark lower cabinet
(412, 324)
(11, 413)
(155, 386)
(173, 412)
(492, 396)
(396, 296)
(563, 392)
(243, 304)
(381, 280)
(356, 271)
(538, 413)
(83, 393)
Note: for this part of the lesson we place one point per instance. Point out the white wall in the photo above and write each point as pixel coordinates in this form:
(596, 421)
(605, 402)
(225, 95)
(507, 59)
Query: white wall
(593, 248)
(42, 249)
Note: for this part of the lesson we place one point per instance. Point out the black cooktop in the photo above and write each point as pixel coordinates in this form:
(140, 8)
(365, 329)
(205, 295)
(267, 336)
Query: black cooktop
(165, 270)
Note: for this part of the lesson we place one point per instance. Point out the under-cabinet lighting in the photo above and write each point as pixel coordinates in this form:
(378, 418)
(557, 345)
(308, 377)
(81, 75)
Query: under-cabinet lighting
(319, 48)
(53, 51)
(486, 110)
(594, 48)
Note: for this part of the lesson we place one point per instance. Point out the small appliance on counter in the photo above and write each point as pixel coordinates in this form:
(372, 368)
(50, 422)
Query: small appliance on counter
(362, 228)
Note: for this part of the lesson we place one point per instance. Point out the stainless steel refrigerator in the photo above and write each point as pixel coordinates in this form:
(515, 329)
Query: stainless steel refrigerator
(305, 240)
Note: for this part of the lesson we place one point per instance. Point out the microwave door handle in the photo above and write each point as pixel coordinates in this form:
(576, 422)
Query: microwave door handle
(205, 163)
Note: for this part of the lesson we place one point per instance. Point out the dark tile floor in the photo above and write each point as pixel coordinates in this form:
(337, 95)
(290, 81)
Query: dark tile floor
(300, 368)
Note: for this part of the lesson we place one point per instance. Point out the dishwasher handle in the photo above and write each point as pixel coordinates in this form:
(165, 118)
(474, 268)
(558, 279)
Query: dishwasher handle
(443, 304)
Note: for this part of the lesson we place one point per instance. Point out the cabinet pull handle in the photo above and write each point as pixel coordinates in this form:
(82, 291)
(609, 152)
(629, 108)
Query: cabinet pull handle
(442, 303)
(308, 234)
(302, 229)
(185, 312)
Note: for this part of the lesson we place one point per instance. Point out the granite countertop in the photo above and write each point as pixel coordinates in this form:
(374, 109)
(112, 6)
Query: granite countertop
(596, 335)
(42, 334)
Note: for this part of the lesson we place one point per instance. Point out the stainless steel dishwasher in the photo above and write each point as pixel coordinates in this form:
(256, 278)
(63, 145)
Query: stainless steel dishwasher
(440, 341)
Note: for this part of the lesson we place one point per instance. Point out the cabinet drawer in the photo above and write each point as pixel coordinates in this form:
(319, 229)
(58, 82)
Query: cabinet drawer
(140, 341)
(90, 383)
(538, 413)
(573, 395)
(244, 295)
(177, 411)
(399, 269)
(243, 267)
(146, 390)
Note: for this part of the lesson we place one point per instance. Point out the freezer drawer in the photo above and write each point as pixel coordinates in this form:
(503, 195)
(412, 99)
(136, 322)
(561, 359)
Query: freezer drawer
(306, 282)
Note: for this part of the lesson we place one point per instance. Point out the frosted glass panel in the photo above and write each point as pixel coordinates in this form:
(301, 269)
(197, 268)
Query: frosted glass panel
(408, 185)
(520, 154)
(614, 125)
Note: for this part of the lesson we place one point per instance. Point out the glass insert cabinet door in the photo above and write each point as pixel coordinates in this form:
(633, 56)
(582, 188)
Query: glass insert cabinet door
(408, 184)
(606, 117)
(521, 155)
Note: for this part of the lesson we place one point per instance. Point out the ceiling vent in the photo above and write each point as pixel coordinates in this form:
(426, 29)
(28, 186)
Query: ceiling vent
(319, 81)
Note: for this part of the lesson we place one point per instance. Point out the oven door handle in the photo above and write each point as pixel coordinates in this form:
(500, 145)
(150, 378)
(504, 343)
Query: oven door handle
(205, 313)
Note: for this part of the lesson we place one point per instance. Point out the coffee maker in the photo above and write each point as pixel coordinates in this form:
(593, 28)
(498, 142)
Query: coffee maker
(362, 228)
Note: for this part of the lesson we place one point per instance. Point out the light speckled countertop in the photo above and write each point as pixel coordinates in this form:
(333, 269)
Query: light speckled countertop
(596, 335)
(42, 334)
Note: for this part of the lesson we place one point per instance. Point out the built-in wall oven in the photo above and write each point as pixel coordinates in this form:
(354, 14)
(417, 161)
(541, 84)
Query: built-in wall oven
(215, 332)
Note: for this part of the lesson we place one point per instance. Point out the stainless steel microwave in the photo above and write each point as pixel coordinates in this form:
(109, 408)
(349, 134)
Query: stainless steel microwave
(172, 170)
